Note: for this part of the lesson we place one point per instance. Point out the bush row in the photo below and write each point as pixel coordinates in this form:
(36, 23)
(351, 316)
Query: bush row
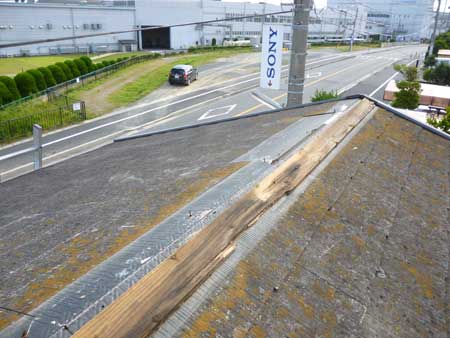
(35, 80)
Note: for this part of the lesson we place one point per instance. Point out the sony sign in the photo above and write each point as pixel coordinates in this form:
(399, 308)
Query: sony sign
(271, 56)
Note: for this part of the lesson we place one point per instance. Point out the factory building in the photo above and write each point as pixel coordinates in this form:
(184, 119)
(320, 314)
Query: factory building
(394, 19)
(47, 19)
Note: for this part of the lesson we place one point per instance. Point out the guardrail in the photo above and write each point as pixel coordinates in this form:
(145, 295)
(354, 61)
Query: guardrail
(36, 149)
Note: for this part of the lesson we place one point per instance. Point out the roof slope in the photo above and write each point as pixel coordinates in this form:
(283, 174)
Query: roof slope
(364, 252)
(61, 221)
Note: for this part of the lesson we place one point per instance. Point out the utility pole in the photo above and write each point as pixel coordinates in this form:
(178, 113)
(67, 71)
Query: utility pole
(433, 36)
(354, 28)
(298, 53)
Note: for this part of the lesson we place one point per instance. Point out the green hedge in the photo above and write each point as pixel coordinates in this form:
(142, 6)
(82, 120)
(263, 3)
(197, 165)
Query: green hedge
(73, 68)
(38, 78)
(88, 62)
(11, 85)
(25, 84)
(81, 66)
(66, 70)
(57, 73)
(48, 76)
(5, 94)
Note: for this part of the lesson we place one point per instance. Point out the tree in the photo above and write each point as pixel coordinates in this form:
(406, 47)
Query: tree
(81, 66)
(443, 124)
(73, 68)
(408, 96)
(5, 94)
(11, 85)
(57, 73)
(25, 84)
(66, 70)
(48, 76)
(38, 78)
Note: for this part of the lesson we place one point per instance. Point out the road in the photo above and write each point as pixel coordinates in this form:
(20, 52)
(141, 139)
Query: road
(224, 90)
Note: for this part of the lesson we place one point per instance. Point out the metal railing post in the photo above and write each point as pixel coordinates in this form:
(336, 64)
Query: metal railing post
(37, 145)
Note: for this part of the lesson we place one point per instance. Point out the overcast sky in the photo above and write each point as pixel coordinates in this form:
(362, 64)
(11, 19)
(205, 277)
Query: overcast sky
(319, 3)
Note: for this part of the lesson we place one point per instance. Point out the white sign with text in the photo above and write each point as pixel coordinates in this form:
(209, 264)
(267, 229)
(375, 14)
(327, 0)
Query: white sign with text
(271, 56)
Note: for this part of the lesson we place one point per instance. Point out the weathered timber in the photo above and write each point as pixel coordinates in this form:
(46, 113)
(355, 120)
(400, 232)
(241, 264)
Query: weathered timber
(140, 310)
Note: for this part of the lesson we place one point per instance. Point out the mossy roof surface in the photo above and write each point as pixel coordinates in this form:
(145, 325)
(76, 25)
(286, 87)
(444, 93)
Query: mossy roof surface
(363, 252)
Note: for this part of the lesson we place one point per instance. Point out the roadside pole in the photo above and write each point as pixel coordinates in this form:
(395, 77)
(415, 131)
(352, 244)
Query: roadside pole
(433, 36)
(353, 31)
(298, 53)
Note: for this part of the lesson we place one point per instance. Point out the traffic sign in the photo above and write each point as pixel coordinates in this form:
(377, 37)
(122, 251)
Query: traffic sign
(271, 56)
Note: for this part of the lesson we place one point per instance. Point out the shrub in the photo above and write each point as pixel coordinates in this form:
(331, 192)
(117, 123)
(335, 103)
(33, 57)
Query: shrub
(104, 64)
(66, 70)
(73, 68)
(11, 85)
(5, 94)
(25, 84)
(57, 73)
(443, 124)
(430, 61)
(38, 78)
(81, 66)
(321, 95)
(88, 62)
(439, 75)
(408, 97)
(48, 76)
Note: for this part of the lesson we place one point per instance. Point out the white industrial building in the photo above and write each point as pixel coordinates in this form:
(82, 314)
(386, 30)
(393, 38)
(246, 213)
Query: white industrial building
(47, 19)
(394, 19)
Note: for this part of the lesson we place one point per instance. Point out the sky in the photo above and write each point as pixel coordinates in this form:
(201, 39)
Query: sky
(319, 3)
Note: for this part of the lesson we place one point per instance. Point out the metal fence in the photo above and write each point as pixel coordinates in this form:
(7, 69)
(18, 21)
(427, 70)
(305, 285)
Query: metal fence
(69, 112)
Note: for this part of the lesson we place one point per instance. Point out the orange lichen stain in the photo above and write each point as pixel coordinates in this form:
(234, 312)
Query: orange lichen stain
(359, 242)
(87, 245)
(330, 320)
(371, 230)
(203, 324)
(239, 332)
(332, 229)
(423, 280)
(257, 332)
(424, 258)
(308, 309)
(325, 292)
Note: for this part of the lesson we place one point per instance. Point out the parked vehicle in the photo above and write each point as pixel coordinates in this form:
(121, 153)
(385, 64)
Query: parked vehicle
(183, 74)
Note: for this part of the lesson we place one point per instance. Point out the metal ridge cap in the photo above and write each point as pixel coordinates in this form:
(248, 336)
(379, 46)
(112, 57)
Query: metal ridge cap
(398, 113)
(236, 118)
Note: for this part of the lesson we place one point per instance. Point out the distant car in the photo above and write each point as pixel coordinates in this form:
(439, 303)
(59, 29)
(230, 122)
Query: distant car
(183, 74)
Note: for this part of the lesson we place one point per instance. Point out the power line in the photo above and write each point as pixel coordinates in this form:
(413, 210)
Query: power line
(73, 37)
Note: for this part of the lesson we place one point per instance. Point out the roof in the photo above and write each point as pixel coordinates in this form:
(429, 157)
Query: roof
(361, 250)
(184, 67)
(324, 226)
(60, 222)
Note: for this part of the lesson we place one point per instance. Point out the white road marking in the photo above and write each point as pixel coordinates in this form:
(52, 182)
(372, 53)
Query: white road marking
(217, 112)
(386, 82)
(313, 75)
(155, 122)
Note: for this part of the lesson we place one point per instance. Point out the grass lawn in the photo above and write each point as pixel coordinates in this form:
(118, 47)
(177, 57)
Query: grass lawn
(152, 80)
(12, 66)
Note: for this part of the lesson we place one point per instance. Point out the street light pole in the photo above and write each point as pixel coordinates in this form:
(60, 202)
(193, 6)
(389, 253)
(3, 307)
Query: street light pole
(298, 53)
(433, 36)
(354, 28)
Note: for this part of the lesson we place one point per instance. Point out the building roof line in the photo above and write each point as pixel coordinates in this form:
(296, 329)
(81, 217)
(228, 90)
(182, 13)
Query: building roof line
(274, 111)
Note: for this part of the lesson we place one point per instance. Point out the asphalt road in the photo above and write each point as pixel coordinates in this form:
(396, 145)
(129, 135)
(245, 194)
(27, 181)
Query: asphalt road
(225, 89)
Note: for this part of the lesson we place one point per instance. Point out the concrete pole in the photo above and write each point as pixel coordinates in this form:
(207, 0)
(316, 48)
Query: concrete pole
(354, 28)
(433, 36)
(37, 145)
(298, 54)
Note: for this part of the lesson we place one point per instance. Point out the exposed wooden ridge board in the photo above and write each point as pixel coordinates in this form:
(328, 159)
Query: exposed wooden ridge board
(140, 310)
